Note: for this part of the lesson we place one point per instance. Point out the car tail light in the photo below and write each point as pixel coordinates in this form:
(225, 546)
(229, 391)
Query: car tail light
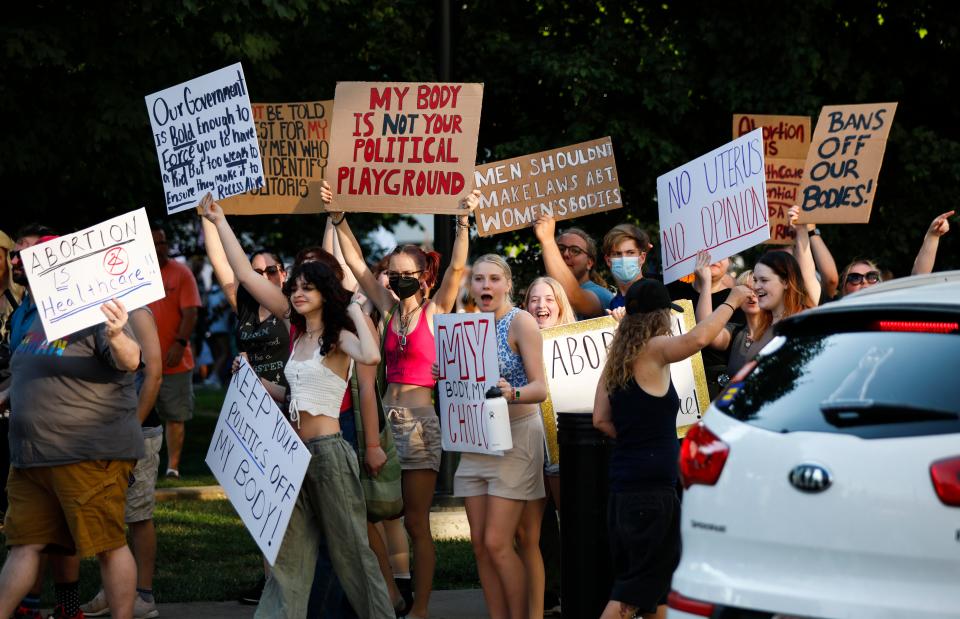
(945, 475)
(916, 326)
(702, 457)
(680, 602)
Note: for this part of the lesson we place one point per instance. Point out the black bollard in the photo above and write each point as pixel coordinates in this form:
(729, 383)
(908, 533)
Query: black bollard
(586, 575)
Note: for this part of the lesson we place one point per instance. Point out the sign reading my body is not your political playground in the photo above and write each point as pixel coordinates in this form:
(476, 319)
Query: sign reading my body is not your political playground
(205, 138)
(73, 275)
(258, 459)
(717, 202)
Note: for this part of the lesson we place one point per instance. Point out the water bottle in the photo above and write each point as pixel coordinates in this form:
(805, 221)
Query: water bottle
(497, 418)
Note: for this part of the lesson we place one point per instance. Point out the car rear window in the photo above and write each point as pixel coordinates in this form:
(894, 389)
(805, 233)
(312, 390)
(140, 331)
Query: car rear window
(871, 385)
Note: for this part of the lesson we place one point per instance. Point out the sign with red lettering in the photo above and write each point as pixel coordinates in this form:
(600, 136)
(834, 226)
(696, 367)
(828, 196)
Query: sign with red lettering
(468, 366)
(565, 183)
(840, 179)
(786, 140)
(294, 145)
(404, 147)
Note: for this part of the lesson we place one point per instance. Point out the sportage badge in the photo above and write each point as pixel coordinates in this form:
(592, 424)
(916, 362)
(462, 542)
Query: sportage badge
(810, 478)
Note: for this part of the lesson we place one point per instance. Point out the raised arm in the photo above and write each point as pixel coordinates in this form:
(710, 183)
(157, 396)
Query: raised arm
(678, 348)
(145, 329)
(931, 243)
(218, 260)
(362, 347)
(331, 243)
(826, 265)
(259, 288)
(584, 303)
(705, 300)
(805, 258)
(446, 295)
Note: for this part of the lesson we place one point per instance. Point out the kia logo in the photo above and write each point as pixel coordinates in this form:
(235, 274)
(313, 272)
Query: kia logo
(810, 478)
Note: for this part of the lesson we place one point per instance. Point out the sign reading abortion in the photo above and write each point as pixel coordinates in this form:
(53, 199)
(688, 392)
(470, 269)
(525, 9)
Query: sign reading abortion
(467, 364)
(404, 147)
(294, 144)
(565, 183)
(205, 138)
(844, 162)
(258, 459)
(717, 202)
(73, 275)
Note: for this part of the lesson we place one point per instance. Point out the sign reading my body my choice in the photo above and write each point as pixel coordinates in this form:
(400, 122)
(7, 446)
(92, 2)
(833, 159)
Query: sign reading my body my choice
(717, 202)
(205, 138)
(73, 275)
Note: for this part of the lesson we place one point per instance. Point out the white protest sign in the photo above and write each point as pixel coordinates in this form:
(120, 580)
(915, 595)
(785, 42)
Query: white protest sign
(716, 202)
(205, 138)
(258, 459)
(468, 366)
(72, 275)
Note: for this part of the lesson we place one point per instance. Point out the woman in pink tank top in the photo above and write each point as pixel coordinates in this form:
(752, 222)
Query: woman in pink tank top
(409, 353)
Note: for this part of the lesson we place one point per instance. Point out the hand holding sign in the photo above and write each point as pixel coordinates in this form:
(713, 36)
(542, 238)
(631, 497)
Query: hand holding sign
(116, 315)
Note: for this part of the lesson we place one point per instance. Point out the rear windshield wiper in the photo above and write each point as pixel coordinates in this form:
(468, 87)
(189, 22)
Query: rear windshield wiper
(851, 412)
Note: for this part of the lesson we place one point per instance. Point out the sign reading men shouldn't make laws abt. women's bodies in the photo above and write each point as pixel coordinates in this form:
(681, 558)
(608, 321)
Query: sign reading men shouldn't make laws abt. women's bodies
(467, 365)
(258, 459)
(564, 183)
(404, 147)
(294, 145)
(205, 138)
(717, 202)
(840, 179)
(73, 275)
(574, 356)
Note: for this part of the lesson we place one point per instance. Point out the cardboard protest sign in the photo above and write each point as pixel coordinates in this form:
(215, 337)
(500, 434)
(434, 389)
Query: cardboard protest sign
(840, 179)
(716, 202)
(565, 183)
(468, 366)
(574, 356)
(786, 140)
(73, 275)
(294, 141)
(259, 460)
(205, 138)
(404, 147)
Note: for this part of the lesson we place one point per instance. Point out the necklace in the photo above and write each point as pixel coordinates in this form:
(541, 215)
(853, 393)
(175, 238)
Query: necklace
(404, 328)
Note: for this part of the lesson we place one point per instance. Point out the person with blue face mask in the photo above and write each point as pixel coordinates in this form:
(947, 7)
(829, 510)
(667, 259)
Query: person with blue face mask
(625, 249)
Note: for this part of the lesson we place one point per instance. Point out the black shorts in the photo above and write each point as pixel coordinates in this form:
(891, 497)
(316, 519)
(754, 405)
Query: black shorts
(644, 531)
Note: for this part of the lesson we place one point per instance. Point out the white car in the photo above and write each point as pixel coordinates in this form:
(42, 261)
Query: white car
(824, 482)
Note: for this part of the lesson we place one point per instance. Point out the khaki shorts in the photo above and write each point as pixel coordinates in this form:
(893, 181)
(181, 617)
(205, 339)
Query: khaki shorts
(72, 508)
(141, 495)
(175, 400)
(517, 474)
(416, 432)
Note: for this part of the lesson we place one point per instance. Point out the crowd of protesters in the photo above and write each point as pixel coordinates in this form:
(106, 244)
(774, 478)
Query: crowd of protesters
(84, 416)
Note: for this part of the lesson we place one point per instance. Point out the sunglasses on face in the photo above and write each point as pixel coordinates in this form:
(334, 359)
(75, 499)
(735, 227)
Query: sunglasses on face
(573, 249)
(856, 279)
(273, 269)
(392, 274)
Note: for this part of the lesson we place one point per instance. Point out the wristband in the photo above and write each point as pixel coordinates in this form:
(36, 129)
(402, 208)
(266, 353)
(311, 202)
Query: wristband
(516, 395)
(338, 222)
(730, 306)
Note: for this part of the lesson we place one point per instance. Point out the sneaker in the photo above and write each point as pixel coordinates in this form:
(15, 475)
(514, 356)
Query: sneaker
(22, 612)
(97, 607)
(59, 614)
(173, 474)
(143, 609)
(252, 595)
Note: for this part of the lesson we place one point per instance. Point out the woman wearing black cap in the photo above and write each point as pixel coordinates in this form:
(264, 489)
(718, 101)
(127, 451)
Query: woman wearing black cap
(636, 403)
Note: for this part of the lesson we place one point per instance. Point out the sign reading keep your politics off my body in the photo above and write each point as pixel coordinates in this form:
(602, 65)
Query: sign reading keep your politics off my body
(404, 147)
(205, 139)
(564, 183)
(294, 145)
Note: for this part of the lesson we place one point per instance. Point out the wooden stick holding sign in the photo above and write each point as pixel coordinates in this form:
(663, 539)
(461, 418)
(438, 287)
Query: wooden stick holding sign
(574, 356)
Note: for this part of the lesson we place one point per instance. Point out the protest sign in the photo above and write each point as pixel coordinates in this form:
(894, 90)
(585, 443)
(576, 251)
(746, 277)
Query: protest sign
(840, 179)
(205, 139)
(786, 140)
(468, 366)
(294, 141)
(564, 183)
(574, 356)
(73, 275)
(404, 147)
(258, 459)
(717, 202)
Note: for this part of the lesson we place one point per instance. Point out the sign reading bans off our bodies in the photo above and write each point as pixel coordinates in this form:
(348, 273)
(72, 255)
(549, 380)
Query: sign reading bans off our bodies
(786, 140)
(844, 162)
(294, 143)
(468, 366)
(258, 459)
(574, 356)
(73, 275)
(404, 147)
(564, 183)
(717, 202)
(205, 139)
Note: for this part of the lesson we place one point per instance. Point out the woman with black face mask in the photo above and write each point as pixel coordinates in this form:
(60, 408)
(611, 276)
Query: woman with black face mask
(409, 353)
